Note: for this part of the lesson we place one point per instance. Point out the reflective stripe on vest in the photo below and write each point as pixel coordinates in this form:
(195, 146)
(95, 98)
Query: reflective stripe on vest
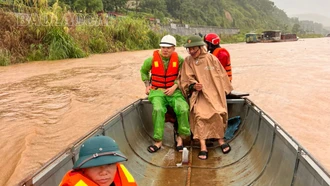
(161, 78)
(81, 183)
(125, 176)
(75, 178)
(228, 65)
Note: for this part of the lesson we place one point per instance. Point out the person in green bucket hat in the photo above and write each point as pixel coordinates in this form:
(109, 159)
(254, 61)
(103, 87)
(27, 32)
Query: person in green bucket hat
(194, 41)
(99, 165)
(205, 82)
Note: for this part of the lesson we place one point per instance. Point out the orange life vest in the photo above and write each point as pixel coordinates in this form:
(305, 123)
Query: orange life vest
(161, 78)
(76, 178)
(228, 64)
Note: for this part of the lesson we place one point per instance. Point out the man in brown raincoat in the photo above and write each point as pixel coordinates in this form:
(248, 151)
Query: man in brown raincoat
(205, 81)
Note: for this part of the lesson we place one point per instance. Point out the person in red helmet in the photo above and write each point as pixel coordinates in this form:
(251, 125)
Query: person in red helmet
(213, 46)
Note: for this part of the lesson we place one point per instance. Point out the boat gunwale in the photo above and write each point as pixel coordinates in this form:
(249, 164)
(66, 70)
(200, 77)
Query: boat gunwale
(303, 156)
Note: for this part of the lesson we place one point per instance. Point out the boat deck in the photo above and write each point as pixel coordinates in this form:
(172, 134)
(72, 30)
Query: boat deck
(262, 153)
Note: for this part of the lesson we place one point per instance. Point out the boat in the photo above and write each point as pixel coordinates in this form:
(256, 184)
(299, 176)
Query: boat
(277, 36)
(270, 36)
(263, 153)
(289, 37)
(252, 38)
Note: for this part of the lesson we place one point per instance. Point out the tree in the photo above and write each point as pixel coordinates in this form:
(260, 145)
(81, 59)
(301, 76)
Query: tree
(88, 6)
(110, 5)
(154, 6)
(174, 8)
(69, 3)
(295, 28)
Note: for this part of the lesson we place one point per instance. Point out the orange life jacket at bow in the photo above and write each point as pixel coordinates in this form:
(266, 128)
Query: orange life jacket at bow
(228, 64)
(76, 178)
(161, 78)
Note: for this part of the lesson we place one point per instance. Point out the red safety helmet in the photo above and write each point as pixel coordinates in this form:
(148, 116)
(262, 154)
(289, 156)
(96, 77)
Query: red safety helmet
(212, 38)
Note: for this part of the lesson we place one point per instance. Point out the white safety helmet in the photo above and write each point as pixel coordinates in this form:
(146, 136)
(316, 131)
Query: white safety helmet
(168, 41)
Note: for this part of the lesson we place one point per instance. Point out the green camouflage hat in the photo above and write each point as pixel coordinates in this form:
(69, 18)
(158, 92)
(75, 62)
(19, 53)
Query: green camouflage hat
(193, 41)
(97, 151)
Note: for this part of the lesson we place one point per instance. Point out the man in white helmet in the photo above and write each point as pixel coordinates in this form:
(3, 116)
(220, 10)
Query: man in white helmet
(163, 91)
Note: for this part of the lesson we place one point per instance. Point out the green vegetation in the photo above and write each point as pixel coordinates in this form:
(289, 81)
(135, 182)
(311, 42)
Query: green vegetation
(51, 35)
(58, 29)
(61, 45)
(243, 14)
(233, 38)
(310, 35)
(4, 57)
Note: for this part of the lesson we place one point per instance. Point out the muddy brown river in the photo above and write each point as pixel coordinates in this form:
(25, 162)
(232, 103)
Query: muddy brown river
(45, 106)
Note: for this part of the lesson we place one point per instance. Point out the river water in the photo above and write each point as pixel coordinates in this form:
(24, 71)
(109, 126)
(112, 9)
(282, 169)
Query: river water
(45, 106)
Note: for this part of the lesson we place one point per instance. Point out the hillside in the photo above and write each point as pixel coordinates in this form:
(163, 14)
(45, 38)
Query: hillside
(243, 14)
(248, 15)
(325, 21)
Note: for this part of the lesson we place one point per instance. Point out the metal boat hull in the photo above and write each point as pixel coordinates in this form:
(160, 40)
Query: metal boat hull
(262, 153)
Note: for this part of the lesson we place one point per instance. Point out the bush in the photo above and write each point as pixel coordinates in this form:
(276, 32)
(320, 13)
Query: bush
(154, 39)
(62, 45)
(134, 33)
(180, 40)
(232, 38)
(12, 38)
(97, 41)
(62, 35)
(4, 57)
(37, 53)
(98, 45)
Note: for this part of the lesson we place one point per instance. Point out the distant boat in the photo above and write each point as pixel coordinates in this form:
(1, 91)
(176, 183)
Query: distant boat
(289, 37)
(252, 38)
(271, 36)
(277, 36)
(262, 153)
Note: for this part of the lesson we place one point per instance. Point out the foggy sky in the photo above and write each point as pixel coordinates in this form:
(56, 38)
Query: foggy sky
(293, 7)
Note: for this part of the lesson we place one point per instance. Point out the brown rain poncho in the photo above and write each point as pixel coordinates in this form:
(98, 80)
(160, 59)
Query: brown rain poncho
(208, 108)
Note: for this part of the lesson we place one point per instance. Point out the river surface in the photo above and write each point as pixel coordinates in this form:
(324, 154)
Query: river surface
(46, 106)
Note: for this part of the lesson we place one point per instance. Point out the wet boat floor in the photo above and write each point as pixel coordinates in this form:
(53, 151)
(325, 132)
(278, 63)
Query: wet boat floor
(160, 168)
(257, 157)
(164, 167)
